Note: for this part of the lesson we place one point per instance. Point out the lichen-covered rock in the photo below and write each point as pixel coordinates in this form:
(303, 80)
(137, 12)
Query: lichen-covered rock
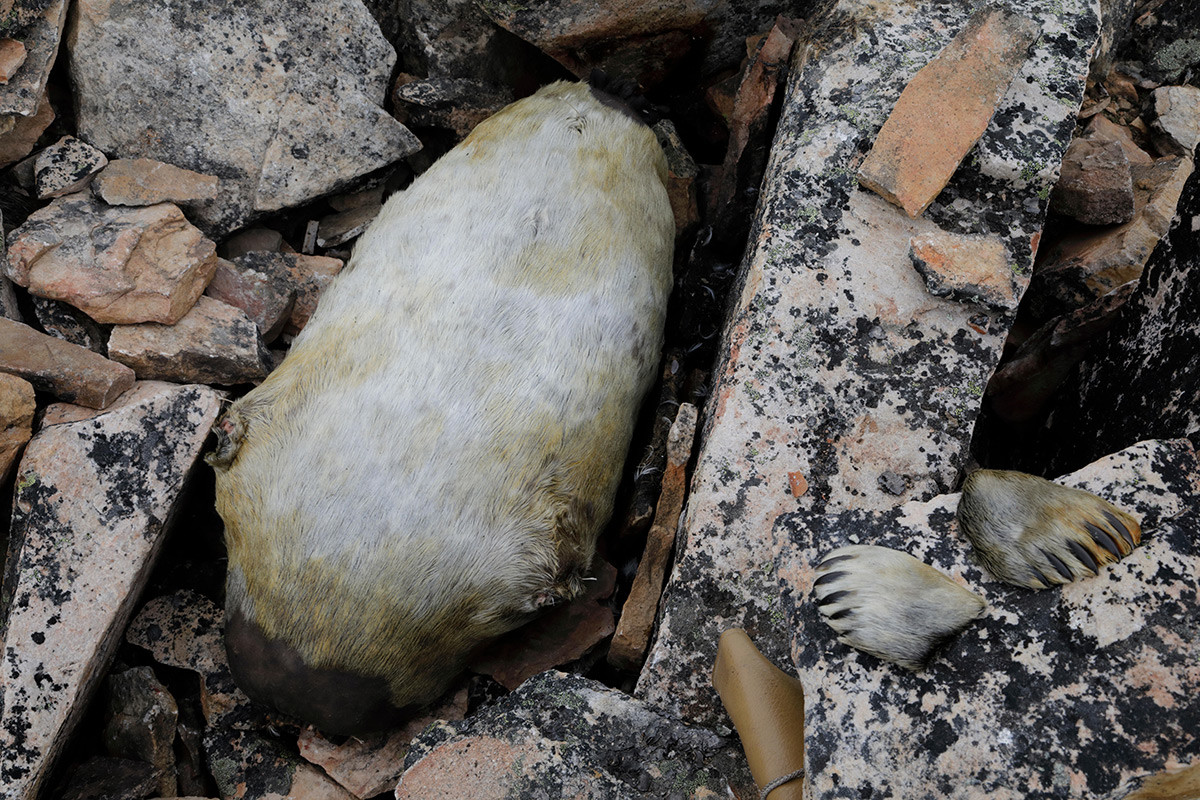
(565, 736)
(66, 166)
(308, 275)
(40, 26)
(17, 404)
(69, 372)
(92, 504)
(449, 102)
(65, 321)
(1095, 185)
(839, 367)
(281, 112)
(1058, 693)
(266, 298)
(118, 265)
(144, 182)
(970, 268)
(212, 343)
(1177, 119)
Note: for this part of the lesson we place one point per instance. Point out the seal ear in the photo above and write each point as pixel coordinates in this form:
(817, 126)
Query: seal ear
(891, 605)
(1034, 533)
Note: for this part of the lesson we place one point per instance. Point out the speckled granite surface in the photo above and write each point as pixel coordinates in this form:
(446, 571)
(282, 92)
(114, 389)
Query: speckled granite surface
(1060, 693)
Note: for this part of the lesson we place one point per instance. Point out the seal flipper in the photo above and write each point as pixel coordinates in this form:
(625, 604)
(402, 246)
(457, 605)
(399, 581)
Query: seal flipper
(1034, 533)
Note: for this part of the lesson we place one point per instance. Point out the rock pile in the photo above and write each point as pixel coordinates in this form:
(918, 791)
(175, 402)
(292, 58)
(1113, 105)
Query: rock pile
(970, 241)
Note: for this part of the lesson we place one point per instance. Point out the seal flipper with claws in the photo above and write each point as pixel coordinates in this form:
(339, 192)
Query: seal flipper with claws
(1034, 533)
(891, 605)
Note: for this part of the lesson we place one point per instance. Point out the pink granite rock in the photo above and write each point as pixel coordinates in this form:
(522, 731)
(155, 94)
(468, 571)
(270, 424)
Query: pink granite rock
(145, 182)
(17, 404)
(971, 268)
(66, 166)
(41, 25)
(91, 507)
(308, 274)
(12, 56)
(264, 297)
(212, 343)
(119, 265)
(68, 371)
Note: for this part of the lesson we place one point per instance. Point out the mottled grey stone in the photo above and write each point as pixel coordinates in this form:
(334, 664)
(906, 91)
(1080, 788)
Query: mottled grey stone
(280, 112)
(1177, 119)
(93, 501)
(1065, 692)
(562, 735)
(65, 321)
(66, 166)
(40, 26)
(838, 363)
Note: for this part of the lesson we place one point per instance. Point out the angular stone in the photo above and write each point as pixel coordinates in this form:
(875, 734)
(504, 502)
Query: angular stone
(213, 343)
(607, 746)
(41, 29)
(119, 265)
(111, 779)
(371, 766)
(67, 371)
(264, 298)
(1094, 185)
(1101, 128)
(12, 56)
(248, 765)
(17, 405)
(144, 182)
(1087, 265)
(1100, 663)
(838, 366)
(1177, 122)
(282, 113)
(1166, 41)
(252, 240)
(945, 108)
(633, 633)
(309, 275)
(18, 141)
(681, 176)
(967, 268)
(364, 197)
(66, 322)
(449, 102)
(337, 229)
(142, 716)
(93, 501)
(66, 166)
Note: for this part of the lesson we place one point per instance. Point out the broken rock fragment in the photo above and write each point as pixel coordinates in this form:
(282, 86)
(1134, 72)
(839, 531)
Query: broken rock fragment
(65, 321)
(308, 275)
(92, 503)
(144, 182)
(17, 404)
(1094, 185)
(141, 723)
(265, 297)
(1177, 127)
(23, 132)
(337, 229)
(118, 265)
(39, 25)
(12, 56)
(66, 166)
(945, 108)
(67, 371)
(971, 268)
(213, 343)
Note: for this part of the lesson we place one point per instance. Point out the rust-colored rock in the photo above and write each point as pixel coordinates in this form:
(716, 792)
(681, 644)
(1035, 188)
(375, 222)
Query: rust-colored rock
(945, 108)
(309, 275)
(119, 265)
(265, 297)
(12, 56)
(971, 268)
(67, 371)
(1094, 185)
(637, 615)
(17, 404)
(144, 182)
(18, 141)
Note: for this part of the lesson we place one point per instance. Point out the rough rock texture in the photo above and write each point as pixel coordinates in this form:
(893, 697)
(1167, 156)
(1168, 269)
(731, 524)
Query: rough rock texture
(681, 176)
(119, 265)
(40, 31)
(66, 166)
(966, 268)
(142, 717)
(110, 779)
(18, 141)
(1142, 378)
(1095, 185)
(304, 100)
(565, 736)
(308, 275)
(1102, 665)
(1177, 123)
(144, 182)
(66, 322)
(213, 343)
(12, 56)
(337, 229)
(1087, 265)
(455, 103)
(454, 39)
(69, 372)
(17, 404)
(1167, 42)
(93, 501)
(945, 108)
(264, 297)
(839, 368)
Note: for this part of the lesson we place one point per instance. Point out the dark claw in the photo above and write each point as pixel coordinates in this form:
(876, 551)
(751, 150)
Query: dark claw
(828, 577)
(833, 597)
(835, 559)
(845, 612)
(1085, 558)
(1103, 538)
(1119, 527)
(1059, 565)
(1038, 576)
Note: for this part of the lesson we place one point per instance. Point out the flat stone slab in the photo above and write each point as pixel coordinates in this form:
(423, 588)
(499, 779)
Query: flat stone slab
(69, 372)
(842, 375)
(92, 502)
(1065, 692)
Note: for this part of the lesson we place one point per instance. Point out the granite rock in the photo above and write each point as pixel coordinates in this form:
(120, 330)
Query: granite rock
(18, 141)
(248, 765)
(565, 736)
(449, 102)
(1177, 119)
(145, 182)
(965, 268)
(1095, 185)
(66, 166)
(682, 173)
(212, 343)
(281, 113)
(308, 275)
(344, 226)
(69, 372)
(1101, 664)
(12, 56)
(118, 265)
(17, 405)
(838, 366)
(40, 28)
(264, 297)
(93, 501)
(1167, 42)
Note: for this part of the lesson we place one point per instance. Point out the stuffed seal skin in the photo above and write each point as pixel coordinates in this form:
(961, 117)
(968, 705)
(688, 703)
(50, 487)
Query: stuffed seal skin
(434, 459)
